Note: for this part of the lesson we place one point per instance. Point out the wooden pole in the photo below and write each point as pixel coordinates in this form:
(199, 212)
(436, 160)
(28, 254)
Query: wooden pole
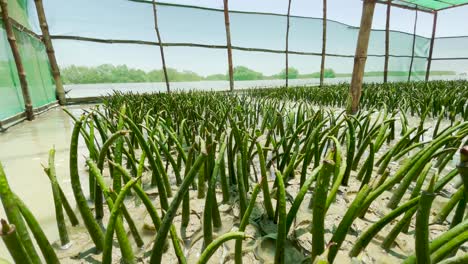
(360, 56)
(18, 62)
(431, 48)
(161, 48)
(387, 40)
(324, 42)
(414, 45)
(60, 92)
(287, 43)
(229, 46)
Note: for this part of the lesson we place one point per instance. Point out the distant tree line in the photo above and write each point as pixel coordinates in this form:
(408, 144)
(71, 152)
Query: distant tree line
(107, 73)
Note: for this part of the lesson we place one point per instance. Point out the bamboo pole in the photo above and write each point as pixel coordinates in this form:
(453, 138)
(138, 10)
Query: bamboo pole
(228, 43)
(161, 48)
(324, 42)
(60, 92)
(209, 46)
(414, 45)
(361, 55)
(287, 43)
(18, 62)
(431, 47)
(387, 40)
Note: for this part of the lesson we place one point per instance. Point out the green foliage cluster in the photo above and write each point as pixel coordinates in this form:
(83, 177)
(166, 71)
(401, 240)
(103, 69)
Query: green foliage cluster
(107, 73)
(242, 73)
(293, 73)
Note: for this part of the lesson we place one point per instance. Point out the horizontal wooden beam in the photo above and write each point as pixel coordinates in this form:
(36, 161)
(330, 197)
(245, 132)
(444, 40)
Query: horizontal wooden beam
(18, 26)
(461, 58)
(196, 45)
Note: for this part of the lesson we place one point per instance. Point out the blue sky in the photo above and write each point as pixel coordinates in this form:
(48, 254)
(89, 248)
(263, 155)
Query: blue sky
(122, 19)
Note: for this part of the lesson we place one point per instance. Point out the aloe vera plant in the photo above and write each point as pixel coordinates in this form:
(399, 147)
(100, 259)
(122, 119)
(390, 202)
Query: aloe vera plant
(114, 218)
(91, 224)
(318, 212)
(170, 214)
(422, 224)
(14, 216)
(281, 209)
(44, 245)
(13, 243)
(61, 225)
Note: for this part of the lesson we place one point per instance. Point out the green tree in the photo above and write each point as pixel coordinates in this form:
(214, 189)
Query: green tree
(329, 73)
(242, 73)
(293, 73)
(217, 77)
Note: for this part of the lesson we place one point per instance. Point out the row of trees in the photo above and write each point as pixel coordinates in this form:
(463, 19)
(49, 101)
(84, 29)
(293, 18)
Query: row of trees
(108, 73)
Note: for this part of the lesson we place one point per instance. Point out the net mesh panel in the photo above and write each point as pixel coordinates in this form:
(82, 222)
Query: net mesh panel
(19, 11)
(189, 25)
(257, 31)
(342, 66)
(35, 61)
(103, 19)
(142, 57)
(11, 100)
(198, 60)
(303, 70)
(450, 59)
(38, 75)
(183, 24)
(447, 67)
(451, 47)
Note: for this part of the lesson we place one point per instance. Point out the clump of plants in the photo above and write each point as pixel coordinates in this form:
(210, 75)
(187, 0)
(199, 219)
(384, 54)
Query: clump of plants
(250, 176)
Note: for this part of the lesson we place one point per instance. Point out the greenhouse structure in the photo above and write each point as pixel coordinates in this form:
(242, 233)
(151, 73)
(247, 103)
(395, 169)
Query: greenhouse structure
(217, 131)
(76, 26)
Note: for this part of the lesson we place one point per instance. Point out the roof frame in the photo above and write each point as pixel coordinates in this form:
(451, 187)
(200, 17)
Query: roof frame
(459, 5)
(426, 10)
(414, 6)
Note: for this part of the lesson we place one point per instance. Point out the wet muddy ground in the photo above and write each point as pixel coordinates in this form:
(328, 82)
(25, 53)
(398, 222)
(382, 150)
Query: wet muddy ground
(23, 148)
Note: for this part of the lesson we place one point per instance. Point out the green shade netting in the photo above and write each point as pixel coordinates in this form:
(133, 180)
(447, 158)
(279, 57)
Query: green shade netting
(18, 10)
(11, 100)
(36, 65)
(35, 61)
(431, 4)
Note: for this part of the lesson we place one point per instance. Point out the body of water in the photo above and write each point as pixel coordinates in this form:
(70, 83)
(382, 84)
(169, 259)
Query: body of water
(102, 89)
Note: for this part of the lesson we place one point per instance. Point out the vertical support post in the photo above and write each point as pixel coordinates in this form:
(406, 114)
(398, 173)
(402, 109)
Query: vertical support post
(18, 62)
(324, 42)
(360, 56)
(161, 48)
(229, 46)
(60, 92)
(431, 47)
(414, 45)
(287, 43)
(387, 40)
